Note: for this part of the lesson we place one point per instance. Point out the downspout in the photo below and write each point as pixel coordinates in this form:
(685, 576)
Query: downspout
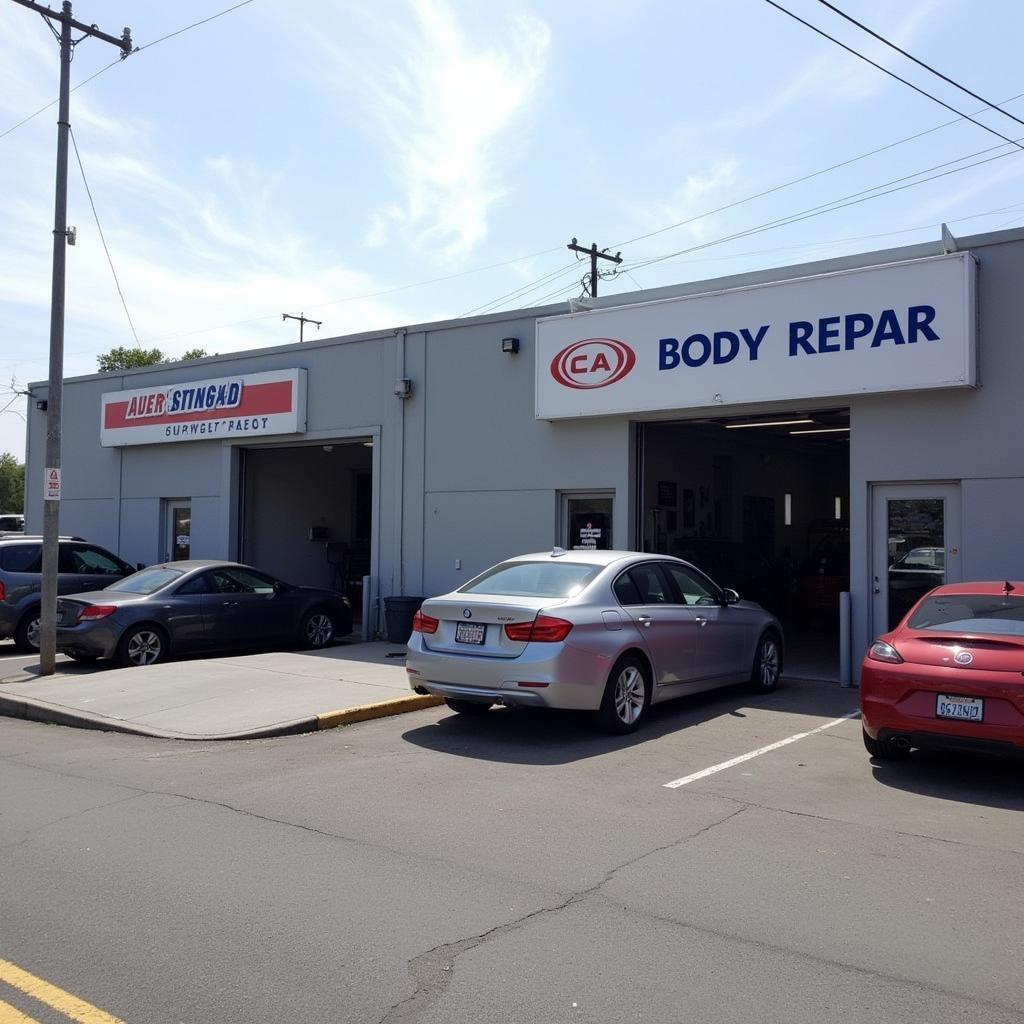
(400, 476)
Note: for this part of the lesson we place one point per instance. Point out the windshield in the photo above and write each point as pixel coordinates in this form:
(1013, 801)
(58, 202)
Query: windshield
(147, 581)
(993, 614)
(533, 579)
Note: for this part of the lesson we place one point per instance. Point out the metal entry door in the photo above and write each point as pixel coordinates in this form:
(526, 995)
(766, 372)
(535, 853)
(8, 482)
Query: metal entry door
(915, 546)
(177, 530)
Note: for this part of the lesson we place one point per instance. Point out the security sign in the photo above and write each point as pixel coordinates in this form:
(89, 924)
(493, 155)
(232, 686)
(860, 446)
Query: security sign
(899, 327)
(51, 483)
(219, 409)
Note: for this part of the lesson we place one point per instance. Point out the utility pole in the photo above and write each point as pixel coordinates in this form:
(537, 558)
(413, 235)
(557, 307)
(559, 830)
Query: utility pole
(55, 394)
(594, 255)
(303, 320)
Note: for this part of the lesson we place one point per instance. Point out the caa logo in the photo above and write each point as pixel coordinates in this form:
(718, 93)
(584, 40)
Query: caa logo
(594, 363)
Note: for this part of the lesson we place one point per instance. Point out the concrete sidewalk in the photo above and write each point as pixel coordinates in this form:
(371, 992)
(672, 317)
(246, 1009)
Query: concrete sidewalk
(246, 697)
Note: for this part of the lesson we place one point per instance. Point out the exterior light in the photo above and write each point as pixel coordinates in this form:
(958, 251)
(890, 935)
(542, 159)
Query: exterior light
(510, 346)
(403, 388)
(839, 507)
(787, 514)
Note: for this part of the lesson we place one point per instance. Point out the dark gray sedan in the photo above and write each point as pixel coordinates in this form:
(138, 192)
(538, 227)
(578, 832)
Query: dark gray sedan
(194, 606)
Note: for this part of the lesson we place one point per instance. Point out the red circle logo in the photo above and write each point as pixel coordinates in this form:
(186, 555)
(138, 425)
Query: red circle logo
(593, 363)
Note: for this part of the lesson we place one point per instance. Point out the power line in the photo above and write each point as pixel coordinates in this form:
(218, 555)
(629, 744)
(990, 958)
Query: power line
(892, 74)
(854, 199)
(803, 178)
(119, 60)
(99, 227)
(920, 63)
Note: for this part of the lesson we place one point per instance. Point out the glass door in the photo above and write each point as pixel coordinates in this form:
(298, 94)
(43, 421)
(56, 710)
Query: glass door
(178, 530)
(915, 546)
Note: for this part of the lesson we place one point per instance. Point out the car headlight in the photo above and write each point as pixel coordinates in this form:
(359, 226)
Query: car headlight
(881, 651)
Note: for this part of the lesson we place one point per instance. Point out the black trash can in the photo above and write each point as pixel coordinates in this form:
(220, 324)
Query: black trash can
(398, 616)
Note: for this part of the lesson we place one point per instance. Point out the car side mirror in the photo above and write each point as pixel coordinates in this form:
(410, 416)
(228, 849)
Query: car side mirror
(729, 596)
(139, 566)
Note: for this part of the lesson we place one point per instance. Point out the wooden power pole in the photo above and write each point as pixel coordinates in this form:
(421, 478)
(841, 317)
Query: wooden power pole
(595, 255)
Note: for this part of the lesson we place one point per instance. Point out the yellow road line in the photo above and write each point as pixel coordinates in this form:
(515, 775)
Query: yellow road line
(64, 1002)
(12, 1015)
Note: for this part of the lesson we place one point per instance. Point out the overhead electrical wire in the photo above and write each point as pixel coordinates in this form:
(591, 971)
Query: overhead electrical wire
(892, 74)
(853, 199)
(119, 60)
(99, 227)
(920, 63)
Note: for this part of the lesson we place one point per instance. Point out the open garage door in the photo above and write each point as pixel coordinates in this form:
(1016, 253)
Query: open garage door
(762, 505)
(306, 514)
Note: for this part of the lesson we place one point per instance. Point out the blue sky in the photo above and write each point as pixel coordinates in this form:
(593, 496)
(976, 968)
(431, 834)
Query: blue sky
(274, 161)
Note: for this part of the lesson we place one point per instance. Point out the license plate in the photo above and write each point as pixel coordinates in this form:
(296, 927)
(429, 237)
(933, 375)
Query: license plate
(470, 632)
(965, 709)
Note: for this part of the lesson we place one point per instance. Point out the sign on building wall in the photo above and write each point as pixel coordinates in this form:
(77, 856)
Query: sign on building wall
(903, 327)
(220, 409)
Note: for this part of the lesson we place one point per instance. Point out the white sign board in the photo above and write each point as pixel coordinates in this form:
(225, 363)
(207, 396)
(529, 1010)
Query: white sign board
(218, 409)
(903, 327)
(51, 483)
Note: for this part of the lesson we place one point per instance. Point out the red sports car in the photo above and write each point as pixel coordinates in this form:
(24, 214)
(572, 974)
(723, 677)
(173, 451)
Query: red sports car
(950, 675)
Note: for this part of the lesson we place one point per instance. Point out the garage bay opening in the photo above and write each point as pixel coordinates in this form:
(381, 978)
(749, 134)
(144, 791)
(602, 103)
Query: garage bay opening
(306, 514)
(761, 504)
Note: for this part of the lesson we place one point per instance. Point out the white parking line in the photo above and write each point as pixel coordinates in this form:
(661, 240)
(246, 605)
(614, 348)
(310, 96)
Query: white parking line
(687, 779)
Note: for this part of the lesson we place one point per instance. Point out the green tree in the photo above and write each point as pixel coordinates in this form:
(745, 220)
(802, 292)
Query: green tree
(129, 358)
(12, 484)
(133, 358)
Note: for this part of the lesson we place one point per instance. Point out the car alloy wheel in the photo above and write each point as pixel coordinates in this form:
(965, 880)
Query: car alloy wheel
(32, 633)
(144, 647)
(319, 629)
(767, 664)
(630, 695)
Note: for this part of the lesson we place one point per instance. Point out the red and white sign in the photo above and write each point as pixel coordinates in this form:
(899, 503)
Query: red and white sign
(51, 483)
(220, 409)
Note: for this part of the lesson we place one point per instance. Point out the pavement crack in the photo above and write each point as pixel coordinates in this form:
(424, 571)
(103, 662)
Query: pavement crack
(433, 970)
(31, 834)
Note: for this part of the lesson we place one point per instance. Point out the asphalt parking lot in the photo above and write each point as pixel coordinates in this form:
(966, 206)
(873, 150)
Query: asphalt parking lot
(518, 867)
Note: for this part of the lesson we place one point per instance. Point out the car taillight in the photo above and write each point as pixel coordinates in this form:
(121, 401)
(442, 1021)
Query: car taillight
(96, 611)
(424, 623)
(881, 651)
(3, 593)
(545, 629)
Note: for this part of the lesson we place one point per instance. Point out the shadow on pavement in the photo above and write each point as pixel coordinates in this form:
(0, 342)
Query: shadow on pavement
(963, 778)
(540, 737)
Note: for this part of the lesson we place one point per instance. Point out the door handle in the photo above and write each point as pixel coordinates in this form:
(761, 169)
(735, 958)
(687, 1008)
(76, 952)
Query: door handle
(644, 620)
(230, 604)
(701, 620)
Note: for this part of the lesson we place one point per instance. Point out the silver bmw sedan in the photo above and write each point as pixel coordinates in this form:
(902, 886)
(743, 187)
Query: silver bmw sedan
(606, 631)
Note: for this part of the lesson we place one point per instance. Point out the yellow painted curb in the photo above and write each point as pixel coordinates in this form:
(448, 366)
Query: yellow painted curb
(382, 709)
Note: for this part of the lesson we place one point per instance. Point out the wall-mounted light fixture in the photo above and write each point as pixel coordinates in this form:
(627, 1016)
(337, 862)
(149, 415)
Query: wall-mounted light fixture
(403, 387)
(510, 346)
(787, 510)
(41, 404)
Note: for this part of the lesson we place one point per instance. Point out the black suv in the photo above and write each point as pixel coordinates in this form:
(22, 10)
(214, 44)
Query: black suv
(81, 566)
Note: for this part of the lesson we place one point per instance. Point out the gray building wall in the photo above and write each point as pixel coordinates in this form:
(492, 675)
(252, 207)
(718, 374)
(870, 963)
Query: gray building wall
(465, 473)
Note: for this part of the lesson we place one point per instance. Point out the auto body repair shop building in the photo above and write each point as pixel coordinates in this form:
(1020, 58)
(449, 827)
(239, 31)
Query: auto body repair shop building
(848, 425)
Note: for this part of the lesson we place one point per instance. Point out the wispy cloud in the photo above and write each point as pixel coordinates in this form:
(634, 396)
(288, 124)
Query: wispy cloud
(442, 99)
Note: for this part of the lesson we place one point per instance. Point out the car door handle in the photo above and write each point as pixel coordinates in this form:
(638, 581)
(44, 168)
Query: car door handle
(230, 604)
(701, 620)
(644, 620)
